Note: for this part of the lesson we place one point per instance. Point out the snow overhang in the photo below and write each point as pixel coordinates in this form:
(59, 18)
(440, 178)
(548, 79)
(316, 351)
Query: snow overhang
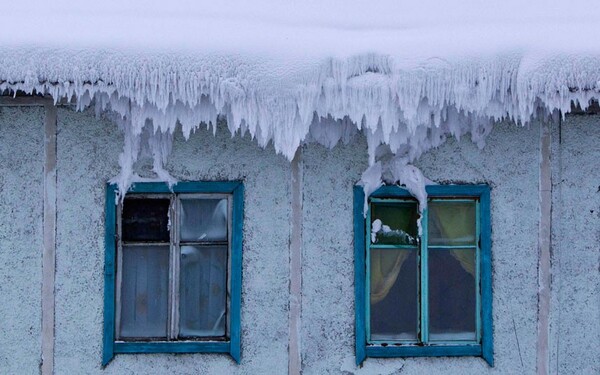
(407, 75)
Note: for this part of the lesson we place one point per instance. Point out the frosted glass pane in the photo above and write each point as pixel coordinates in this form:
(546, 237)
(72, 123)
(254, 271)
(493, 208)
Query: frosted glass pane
(203, 220)
(452, 298)
(394, 223)
(203, 291)
(144, 291)
(393, 295)
(452, 223)
(146, 220)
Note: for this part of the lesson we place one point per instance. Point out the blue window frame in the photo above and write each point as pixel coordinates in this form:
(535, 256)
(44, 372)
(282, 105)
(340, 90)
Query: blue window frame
(427, 294)
(173, 269)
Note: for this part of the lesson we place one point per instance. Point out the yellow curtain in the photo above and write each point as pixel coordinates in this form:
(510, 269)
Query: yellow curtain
(385, 267)
(453, 223)
(456, 223)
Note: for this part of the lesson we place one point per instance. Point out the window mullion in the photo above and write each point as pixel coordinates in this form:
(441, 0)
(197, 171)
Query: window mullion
(173, 328)
(368, 275)
(177, 268)
(424, 272)
(229, 260)
(119, 275)
(477, 273)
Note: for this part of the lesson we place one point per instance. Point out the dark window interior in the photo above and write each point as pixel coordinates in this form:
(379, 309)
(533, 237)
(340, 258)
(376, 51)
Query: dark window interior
(146, 220)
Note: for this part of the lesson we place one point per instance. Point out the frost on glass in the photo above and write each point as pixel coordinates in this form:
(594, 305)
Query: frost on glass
(203, 220)
(146, 220)
(203, 291)
(144, 291)
(452, 223)
(393, 294)
(452, 294)
(394, 223)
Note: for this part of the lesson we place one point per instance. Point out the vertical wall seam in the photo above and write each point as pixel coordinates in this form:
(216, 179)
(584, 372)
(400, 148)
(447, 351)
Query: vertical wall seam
(544, 243)
(295, 304)
(49, 243)
(557, 247)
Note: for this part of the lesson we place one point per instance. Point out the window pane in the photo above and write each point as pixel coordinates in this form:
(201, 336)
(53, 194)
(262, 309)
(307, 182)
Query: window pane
(452, 298)
(393, 297)
(203, 220)
(394, 223)
(203, 286)
(452, 223)
(144, 291)
(146, 220)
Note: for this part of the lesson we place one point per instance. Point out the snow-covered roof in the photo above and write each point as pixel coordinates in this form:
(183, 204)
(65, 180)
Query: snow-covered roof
(408, 73)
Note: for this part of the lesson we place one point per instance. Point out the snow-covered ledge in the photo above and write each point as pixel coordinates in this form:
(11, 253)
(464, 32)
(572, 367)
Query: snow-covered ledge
(407, 77)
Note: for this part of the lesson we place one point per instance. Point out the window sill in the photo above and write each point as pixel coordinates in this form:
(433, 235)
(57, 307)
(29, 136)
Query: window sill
(440, 350)
(173, 347)
(123, 347)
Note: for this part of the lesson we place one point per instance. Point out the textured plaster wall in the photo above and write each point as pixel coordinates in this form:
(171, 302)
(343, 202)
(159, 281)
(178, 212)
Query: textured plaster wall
(87, 157)
(575, 328)
(328, 257)
(21, 166)
(88, 150)
(509, 164)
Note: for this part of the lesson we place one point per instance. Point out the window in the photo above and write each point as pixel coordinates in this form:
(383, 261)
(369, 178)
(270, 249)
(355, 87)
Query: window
(173, 269)
(429, 294)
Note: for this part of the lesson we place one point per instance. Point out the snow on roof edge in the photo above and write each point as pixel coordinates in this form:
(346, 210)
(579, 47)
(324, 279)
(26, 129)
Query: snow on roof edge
(408, 109)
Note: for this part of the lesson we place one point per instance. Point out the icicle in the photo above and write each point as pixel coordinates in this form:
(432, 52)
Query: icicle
(371, 181)
(127, 158)
(411, 109)
(413, 180)
(160, 146)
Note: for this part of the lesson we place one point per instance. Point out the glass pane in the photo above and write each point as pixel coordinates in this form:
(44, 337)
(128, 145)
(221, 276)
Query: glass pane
(203, 286)
(452, 223)
(204, 220)
(146, 220)
(393, 297)
(394, 223)
(452, 297)
(144, 291)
